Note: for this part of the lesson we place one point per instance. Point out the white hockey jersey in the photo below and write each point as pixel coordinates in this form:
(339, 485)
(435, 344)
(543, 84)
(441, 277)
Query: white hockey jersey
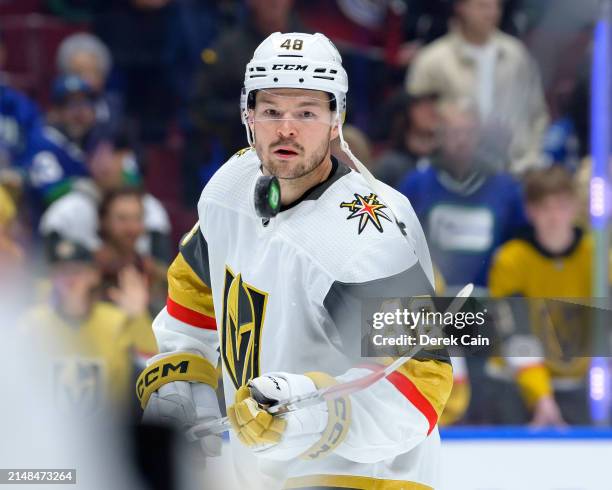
(284, 295)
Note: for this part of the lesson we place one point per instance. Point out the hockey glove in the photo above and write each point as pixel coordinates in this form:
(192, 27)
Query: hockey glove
(182, 404)
(282, 436)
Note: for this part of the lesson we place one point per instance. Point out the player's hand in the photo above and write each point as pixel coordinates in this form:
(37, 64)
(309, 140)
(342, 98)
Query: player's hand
(182, 404)
(281, 436)
(547, 414)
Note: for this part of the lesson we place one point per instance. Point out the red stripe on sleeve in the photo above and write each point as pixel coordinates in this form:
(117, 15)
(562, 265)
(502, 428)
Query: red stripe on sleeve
(190, 316)
(412, 393)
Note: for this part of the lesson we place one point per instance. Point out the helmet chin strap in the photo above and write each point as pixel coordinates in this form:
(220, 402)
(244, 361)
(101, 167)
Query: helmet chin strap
(250, 137)
(374, 184)
(363, 170)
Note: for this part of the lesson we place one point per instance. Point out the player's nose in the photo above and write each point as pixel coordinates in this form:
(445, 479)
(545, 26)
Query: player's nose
(286, 128)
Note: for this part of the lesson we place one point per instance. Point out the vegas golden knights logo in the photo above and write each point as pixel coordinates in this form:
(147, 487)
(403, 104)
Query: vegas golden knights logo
(244, 308)
(78, 385)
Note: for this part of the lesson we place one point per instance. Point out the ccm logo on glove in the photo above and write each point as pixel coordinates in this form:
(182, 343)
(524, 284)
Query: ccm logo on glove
(336, 430)
(175, 367)
(152, 375)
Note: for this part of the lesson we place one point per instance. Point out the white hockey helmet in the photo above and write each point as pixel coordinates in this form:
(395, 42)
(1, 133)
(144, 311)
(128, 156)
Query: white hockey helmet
(295, 60)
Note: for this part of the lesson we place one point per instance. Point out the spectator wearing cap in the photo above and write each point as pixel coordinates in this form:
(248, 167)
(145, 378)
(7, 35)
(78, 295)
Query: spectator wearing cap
(476, 60)
(96, 344)
(86, 56)
(414, 122)
(56, 155)
(111, 161)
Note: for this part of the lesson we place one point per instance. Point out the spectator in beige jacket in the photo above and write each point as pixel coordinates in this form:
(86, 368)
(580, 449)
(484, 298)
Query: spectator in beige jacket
(476, 60)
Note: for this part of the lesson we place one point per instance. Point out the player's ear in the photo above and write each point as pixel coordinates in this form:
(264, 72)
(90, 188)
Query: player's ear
(334, 132)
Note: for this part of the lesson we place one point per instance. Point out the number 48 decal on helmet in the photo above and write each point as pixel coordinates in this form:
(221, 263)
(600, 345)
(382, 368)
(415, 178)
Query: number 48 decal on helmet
(297, 44)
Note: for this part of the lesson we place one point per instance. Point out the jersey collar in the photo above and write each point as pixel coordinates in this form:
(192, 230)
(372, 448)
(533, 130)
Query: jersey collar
(529, 236)
(338, 171)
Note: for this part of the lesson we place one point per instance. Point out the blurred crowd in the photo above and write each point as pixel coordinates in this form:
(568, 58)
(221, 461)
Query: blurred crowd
(114, 115)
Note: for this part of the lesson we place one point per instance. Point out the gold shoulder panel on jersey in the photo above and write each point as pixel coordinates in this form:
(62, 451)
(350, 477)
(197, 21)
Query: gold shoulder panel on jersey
(187, 289)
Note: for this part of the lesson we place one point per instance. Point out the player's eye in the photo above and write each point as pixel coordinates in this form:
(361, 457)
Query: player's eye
(308, 115)
(271, 113)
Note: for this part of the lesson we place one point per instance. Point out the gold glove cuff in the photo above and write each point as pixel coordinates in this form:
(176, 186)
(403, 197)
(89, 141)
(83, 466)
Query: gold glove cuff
(338, 421)
(176, 367)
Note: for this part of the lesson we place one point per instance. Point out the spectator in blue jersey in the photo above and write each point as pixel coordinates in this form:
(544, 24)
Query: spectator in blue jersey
(56, 154)
(19, 118)
(466, 204)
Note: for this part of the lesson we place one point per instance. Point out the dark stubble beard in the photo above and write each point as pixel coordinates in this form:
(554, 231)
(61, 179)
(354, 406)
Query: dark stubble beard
(299, 169)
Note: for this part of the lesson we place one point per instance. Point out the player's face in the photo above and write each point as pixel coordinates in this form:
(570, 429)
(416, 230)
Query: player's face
(124, 222)
(293, 129)
(553, 215)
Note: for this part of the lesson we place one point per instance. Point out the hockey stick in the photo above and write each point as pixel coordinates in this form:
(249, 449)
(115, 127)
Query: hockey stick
(331, 393)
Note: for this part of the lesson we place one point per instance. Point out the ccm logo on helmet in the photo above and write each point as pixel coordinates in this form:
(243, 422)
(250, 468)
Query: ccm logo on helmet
(290, 67)
(154, 374)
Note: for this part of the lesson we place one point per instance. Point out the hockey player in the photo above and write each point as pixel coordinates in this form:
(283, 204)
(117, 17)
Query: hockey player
(278, 298)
